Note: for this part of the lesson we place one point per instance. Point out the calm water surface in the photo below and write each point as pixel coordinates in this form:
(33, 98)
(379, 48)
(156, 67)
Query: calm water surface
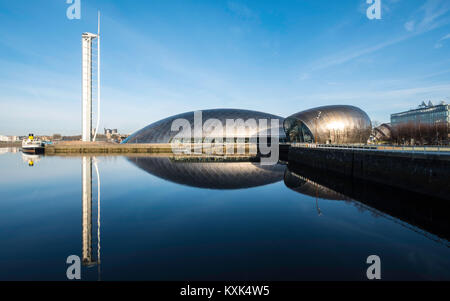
(167, 220)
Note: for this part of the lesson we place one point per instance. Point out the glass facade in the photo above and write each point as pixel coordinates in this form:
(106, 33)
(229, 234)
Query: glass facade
(337, 124)
(297, 131)
(424, 114)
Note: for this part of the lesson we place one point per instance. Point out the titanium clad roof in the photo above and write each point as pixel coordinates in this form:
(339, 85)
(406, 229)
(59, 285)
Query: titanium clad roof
(160, 131)
(337, 124)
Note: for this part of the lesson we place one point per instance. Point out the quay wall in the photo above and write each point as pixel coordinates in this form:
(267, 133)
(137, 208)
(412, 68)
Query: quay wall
(427, 173)
(11, 144)
(155, 148)
(105, 148)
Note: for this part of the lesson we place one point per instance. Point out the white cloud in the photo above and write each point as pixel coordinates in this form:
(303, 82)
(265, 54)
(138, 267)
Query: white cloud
(439, 43)
(431, 15)
(409, 26)
(446, 37)
(347, 56)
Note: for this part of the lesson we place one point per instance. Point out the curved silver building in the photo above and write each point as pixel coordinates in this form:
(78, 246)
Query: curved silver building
(212, 175)
(383, 132)
(337, 124)
(160, 131)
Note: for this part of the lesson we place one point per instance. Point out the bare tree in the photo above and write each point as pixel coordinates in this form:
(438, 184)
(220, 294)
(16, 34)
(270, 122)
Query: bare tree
(420, 133)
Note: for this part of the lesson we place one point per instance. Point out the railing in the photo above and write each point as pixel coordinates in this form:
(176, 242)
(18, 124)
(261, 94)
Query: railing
(423, 149)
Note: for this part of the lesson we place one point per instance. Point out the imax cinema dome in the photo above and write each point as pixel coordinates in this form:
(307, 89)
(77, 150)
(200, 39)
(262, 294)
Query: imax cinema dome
(161, 131)
(337, 124)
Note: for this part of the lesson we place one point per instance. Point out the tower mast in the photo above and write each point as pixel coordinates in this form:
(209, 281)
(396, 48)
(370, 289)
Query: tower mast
(98, 77)
(87, 55)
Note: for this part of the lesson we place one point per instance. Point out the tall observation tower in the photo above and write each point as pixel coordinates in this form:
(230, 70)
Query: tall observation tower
(88, 76)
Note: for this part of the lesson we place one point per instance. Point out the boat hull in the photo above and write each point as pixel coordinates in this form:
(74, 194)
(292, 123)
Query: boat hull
(33, 150)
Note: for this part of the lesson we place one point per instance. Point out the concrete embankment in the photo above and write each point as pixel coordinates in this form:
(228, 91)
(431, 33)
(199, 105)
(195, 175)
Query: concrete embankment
(105, 148)
(10, 144)
(157, 148)
(426, 173)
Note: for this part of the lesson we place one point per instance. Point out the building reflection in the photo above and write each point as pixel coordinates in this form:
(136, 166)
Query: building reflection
(88, 258)
(307, 186)
(6, 150)
(429, 217)
(422, 214)
(212, 175)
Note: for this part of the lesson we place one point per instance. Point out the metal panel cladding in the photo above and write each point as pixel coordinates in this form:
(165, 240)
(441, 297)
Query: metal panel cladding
(160, 131)
(337, 124)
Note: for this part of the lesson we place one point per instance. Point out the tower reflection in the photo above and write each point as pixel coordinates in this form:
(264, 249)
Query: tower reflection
(87, 212)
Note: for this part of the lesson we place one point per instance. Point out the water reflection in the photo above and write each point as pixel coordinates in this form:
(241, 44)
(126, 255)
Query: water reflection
(308, 187)
(30, 159)
(420, 213)
(213, 175)
(269, 232)
(87, 212)
(6, 150)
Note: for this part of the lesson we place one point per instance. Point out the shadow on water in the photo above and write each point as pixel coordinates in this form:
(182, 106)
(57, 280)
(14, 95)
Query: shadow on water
(421, 213)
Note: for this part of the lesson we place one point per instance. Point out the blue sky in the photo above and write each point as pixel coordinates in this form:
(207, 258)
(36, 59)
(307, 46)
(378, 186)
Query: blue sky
(166, 57)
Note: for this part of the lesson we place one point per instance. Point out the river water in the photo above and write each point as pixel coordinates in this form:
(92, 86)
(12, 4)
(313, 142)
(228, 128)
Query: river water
(165, 219)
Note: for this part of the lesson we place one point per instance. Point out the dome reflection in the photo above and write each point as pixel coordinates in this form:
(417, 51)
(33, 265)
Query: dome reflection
(213, 175)
(401, 206)
(308, 187)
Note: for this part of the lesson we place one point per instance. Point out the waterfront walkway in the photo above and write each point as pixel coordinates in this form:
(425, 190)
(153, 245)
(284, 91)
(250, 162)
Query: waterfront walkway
(437, 149)
(424, 170)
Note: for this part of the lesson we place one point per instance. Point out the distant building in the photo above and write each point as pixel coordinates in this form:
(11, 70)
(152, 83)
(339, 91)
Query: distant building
(424, 114)
(57, 137)
(110, 131)
(71, 138)
(428, 124)
(8, 138)
(46, 138)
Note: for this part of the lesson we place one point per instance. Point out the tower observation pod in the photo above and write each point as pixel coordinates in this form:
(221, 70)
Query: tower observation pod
(90, 62)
